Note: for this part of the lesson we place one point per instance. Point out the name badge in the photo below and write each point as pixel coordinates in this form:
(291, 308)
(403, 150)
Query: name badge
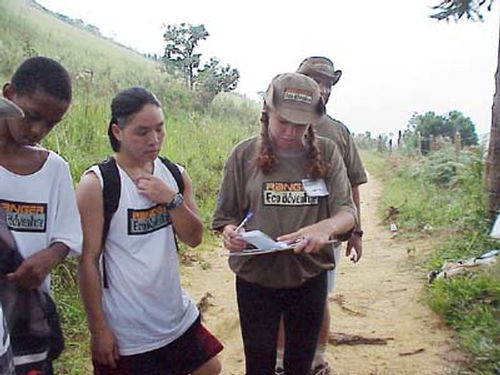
(315, 188)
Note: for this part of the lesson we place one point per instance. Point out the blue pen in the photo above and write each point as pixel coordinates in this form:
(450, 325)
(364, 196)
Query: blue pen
(247, 217)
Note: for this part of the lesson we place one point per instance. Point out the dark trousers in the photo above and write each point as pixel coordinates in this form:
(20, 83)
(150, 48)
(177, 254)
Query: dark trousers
(260, 310)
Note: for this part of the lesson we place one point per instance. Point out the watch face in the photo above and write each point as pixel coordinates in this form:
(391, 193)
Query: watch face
(176, 202)
(358, 233)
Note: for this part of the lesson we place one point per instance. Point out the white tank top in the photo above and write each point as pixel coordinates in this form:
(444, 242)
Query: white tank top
(144, 304)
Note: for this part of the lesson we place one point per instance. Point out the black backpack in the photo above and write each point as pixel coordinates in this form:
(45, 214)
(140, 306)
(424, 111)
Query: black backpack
(111, 195)
(31, 314)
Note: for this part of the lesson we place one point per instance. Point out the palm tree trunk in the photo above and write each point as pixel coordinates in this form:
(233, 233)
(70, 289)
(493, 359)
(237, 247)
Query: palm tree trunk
(492, 170)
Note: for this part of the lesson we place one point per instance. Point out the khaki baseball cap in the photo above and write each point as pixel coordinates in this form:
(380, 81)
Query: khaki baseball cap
(9, 109)
(320, 65)
(296, 98)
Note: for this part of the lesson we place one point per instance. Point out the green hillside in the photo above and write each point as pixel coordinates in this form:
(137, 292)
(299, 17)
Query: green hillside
(27, 30)
(99, 69)
(199, 138)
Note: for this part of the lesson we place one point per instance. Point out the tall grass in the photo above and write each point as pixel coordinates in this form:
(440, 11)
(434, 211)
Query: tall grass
(198, 138)
(447, 195)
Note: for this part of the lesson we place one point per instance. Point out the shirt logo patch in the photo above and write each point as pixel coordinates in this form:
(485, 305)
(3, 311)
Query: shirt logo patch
(298, 95)
(147, 220)
(286, 194)
(25, 216)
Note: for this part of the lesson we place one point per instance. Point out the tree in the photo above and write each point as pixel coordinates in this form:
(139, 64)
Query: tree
(180, 54)
(214, 78)
(447, 125)
(456, 9)
(463, 125)
(181, 43)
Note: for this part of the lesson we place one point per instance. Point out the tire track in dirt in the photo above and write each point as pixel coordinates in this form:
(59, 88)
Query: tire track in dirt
(381, 299)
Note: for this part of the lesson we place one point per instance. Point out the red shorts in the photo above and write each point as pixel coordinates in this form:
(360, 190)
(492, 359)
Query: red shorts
(36, 368)
(181, 357)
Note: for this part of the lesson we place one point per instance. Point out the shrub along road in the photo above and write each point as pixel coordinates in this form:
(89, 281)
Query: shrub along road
(376, 307)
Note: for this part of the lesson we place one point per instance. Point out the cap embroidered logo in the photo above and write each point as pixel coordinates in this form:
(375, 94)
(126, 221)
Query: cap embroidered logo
(298, 95)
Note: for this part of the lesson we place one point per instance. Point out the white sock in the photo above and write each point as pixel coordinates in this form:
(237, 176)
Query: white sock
(279, 358)
(319, 356)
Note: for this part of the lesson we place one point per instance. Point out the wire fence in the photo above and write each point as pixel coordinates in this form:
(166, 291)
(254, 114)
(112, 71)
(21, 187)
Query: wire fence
(421, 145)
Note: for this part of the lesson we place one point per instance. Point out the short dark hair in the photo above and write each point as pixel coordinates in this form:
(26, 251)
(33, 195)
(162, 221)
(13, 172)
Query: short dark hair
(42, 73)
(125, 104)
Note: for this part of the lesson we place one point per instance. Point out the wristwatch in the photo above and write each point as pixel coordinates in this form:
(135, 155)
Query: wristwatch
(175, 202)
(358, 233)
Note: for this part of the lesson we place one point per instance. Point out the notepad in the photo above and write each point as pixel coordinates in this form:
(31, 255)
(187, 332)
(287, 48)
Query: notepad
(262, 241)
(263, 244)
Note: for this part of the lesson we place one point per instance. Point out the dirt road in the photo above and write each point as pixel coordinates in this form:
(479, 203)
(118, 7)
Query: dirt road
(379, 297)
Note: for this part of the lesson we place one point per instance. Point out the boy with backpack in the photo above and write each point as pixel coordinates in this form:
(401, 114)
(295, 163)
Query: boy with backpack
(36, 192)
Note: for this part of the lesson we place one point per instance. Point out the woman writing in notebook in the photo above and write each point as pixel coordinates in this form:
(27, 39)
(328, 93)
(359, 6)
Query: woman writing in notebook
(296, 187)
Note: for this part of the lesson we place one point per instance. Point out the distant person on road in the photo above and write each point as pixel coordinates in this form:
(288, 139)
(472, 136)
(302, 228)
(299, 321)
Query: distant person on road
(296, 187)
(36, 189)
(140, 320)
(321, 69)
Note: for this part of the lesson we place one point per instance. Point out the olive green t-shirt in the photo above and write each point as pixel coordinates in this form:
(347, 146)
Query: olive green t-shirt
(336, 131)
(280, 206)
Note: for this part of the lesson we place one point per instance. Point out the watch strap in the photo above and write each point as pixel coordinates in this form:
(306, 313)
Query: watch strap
(175, 202)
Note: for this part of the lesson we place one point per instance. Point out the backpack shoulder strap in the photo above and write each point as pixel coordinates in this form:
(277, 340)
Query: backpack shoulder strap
(174, 169)
(111, 189)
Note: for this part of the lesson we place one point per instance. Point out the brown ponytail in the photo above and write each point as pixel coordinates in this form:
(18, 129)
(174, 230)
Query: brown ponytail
(266, 160)
(316, 167)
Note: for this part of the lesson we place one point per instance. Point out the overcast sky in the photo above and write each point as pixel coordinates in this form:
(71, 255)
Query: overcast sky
(395, 59)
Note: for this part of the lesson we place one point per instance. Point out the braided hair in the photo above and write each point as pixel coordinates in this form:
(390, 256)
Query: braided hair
(316, 167)
(266, 160)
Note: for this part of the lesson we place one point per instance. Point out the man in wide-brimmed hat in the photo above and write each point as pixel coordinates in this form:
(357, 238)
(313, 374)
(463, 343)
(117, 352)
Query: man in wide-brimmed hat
(322, 70)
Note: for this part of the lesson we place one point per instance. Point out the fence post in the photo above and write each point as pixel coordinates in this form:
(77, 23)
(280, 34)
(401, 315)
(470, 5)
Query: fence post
(458, 145)
(419, 144)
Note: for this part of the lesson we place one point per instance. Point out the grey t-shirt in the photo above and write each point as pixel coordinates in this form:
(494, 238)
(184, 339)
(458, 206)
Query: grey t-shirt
(336, 131)
(280, 206)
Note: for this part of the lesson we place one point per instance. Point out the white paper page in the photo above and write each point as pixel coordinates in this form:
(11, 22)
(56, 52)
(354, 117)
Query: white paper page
(262, 241)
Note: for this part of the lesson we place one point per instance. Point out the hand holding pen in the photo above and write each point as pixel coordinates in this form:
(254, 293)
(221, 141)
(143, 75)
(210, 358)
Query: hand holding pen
(231, 237)
(247, 217)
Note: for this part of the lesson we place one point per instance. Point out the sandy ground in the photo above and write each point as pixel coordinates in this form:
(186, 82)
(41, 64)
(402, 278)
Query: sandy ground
(381, 299)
